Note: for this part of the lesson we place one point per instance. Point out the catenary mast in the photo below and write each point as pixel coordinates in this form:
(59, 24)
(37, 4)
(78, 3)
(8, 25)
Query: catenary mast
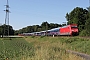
(6, 29)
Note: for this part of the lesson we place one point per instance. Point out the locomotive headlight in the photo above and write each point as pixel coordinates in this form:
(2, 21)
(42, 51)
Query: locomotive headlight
(72, 30)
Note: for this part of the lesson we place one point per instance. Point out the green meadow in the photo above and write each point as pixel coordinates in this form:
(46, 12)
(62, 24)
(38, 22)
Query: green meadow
(43, 48)
(15, 48)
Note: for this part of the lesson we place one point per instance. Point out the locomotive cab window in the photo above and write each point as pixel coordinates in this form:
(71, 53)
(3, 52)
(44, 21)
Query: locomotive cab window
(73, 26)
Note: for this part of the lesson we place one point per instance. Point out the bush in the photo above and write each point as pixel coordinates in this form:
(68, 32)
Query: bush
(83, 33)
(42, 36)
(32, 36)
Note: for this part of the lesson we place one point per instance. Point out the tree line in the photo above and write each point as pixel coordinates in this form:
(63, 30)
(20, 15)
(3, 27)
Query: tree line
(78, 16)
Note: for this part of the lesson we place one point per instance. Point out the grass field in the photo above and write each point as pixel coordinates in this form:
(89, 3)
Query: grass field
(49, 48)
(42, 48)
(14, 48)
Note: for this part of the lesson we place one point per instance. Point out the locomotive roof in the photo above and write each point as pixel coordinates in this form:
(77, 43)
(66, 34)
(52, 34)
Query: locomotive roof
(55, 28)
(69, 25)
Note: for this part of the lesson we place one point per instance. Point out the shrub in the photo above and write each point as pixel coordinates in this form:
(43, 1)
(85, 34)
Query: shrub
(32, 36)
(83, 33)
(42, 36)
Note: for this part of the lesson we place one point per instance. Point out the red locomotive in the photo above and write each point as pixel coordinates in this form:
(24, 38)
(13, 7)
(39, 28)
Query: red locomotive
(71, 29)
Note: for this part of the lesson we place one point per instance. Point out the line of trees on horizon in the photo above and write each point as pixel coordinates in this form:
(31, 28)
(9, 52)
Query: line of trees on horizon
(78, 16)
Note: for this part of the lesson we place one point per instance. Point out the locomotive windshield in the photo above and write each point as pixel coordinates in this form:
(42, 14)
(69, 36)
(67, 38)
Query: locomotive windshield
(73, 26)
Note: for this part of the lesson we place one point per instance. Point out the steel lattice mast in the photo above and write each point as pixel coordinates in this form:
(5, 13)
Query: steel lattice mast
(6, 30)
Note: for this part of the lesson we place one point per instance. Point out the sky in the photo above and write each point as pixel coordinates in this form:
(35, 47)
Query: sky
(25, 13)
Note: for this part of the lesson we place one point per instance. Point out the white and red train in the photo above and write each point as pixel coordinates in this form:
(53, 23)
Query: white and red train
(71, 30)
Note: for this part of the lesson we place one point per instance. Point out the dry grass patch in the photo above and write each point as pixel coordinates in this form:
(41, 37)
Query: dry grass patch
(50, 50)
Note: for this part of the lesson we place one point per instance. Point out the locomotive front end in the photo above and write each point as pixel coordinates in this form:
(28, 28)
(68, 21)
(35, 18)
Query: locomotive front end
(74, 29)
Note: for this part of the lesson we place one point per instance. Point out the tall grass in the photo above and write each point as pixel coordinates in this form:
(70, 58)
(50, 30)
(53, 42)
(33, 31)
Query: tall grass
(48, 48)
(77, 44)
